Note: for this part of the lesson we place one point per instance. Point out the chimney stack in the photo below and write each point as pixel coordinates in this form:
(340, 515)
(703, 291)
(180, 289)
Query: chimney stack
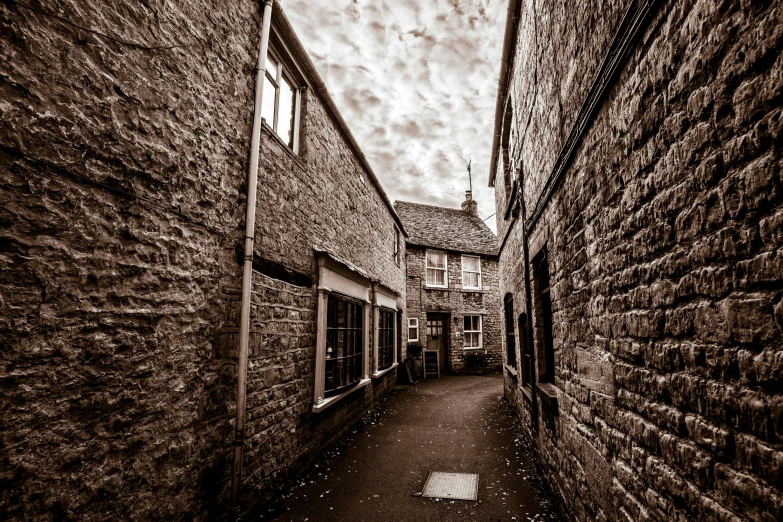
(469, 205)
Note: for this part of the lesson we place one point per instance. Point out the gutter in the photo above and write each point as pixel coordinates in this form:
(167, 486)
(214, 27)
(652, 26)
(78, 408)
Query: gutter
(298, 49)
(506, 61)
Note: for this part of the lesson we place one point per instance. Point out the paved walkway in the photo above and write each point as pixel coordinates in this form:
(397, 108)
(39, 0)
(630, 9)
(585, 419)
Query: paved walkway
(452, 424)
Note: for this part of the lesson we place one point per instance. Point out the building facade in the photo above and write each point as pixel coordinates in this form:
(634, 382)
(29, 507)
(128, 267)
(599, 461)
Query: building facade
(452, 288)
(124, 158)
(636, 167)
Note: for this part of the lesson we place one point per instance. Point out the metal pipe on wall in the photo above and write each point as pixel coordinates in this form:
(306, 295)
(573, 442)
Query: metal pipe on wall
(247, 269)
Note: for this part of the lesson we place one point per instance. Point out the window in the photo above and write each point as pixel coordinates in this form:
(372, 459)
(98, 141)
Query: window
(544, 307)
(511, 349)
(281, 102)
(471, 272)
(344, 343)
(385, 339)
(413, 329)
(473, 331)
(437, 274)
(397, 245)
(343, 332)
(526, 349)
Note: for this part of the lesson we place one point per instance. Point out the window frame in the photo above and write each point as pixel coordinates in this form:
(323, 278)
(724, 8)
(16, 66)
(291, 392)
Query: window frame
(336, 278)
(358, 312)
(412, 339)
(283, 73)
(511, 344)
(384, 300)
(445, 268)
(480, 332)
(389, 331)
(479, 287)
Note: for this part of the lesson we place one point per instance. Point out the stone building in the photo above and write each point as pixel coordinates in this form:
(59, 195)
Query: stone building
(452, 287)
(636, 165)
(124, 142)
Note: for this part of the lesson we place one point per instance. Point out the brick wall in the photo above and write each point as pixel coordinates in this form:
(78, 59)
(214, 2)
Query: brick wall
(124, 136)
(664, 240)
(456, 302)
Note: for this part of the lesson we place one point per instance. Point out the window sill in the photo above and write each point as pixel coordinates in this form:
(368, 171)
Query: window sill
(527, 391)
(283, 145)
(412, 341)
(548, 393)
(472, 289)
(318, 408)
(380, 373)
(472, 348)
(511, 370)
(433, 287)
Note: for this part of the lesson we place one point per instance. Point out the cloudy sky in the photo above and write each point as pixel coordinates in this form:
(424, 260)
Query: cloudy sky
(416, 82)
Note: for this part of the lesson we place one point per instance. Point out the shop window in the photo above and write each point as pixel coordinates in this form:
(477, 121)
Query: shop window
(511, 349)
(344, 342)
(385, 339)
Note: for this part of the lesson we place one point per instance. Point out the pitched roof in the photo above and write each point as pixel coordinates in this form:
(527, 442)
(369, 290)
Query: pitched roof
(446, 228)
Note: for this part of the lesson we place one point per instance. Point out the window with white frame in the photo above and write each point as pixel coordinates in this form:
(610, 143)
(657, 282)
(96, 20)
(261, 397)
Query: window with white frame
(472, 331)
(344, 344)
(437, 270)
(471, 272)
(344, 326)
(385, 339)
(280, 107)
(413, 329)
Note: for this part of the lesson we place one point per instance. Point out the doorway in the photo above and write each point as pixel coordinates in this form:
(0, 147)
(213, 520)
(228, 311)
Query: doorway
(437, 337)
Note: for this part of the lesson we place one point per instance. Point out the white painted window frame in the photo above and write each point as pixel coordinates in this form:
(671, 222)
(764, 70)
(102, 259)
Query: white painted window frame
(282, 71)
(416, 339)
(445, 269)
(383, 298)
(397, 246)
(337, 279)
(480, 332)
(480, 283)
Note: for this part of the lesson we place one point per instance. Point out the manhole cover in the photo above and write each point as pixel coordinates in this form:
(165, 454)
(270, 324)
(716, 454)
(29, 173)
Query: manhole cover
(457, 486)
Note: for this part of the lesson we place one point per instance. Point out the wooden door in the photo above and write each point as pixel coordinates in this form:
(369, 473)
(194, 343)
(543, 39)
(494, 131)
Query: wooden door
(436, 332)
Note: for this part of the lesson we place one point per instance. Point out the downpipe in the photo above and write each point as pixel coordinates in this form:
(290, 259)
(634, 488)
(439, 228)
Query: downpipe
(247, 268)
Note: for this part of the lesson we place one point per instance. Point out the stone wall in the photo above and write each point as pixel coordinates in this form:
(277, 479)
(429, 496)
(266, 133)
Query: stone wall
(664, 244)
(124, 136)
(456, 302)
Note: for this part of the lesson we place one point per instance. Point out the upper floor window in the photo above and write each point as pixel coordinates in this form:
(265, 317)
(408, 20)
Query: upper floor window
(473, 331)
(280, 107)
(437, 270)
(471, 272)
(397, 245)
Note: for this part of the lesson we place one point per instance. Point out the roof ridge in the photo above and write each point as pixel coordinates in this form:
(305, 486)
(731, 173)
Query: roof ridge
(430, 206)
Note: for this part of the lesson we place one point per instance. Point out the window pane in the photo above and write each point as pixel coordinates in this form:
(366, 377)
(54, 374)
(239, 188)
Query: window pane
(271, 66)
(285, 117)
(470, 264)
(436, 260)
(268, 103)
(470, 279)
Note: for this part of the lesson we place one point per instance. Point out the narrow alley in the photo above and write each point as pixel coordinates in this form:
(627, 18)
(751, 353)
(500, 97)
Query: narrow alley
(455, 424)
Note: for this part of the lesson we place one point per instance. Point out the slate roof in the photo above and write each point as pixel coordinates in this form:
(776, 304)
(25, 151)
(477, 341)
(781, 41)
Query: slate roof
(446, 228)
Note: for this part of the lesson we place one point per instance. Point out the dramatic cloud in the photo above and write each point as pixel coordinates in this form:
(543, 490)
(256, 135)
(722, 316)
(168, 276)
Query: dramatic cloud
(416, 82)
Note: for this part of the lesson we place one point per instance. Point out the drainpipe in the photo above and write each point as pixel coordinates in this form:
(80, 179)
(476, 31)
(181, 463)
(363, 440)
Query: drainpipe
(247, 269)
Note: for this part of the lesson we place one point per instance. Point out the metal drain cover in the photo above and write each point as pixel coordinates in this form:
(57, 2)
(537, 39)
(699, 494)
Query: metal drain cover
(456, 486)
